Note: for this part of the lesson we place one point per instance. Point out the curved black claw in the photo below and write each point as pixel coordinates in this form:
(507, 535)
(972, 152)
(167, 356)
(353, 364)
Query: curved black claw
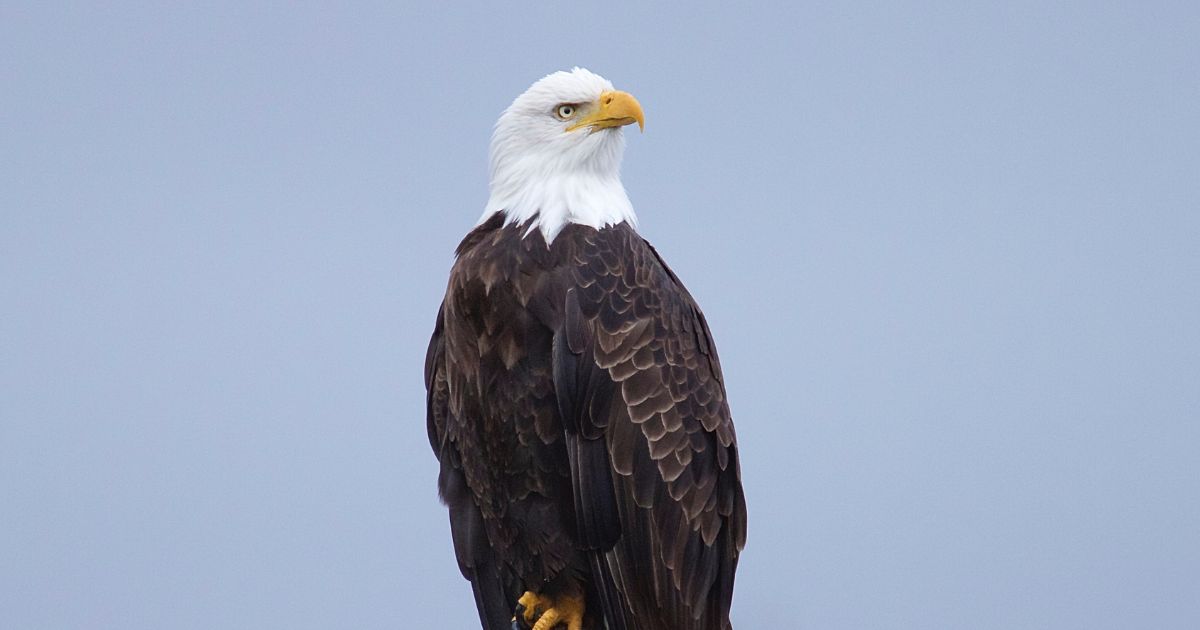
(518, 622)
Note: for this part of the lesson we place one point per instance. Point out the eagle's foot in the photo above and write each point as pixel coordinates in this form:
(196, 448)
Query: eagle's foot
(540, 612)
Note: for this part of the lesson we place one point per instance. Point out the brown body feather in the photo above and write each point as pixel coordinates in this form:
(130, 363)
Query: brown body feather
(576, 406)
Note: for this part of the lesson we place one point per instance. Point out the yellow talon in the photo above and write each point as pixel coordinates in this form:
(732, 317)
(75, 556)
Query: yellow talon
(545, 613)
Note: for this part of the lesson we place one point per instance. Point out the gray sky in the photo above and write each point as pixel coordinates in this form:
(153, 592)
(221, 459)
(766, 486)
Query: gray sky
(950, 255)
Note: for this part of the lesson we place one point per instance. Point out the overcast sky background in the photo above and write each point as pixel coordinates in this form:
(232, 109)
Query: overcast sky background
(950, 255)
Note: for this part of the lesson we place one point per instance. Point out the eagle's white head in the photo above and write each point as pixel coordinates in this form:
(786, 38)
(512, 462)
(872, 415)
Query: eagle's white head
(556, 154)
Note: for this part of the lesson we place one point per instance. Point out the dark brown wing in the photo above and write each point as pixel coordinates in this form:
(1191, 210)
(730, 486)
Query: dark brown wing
(476, 558)
(652, 446)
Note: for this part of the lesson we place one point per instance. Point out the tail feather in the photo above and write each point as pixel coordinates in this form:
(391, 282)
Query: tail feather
(495, 611)
(612, 603)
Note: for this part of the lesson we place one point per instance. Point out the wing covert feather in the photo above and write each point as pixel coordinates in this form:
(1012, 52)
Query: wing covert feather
(638, 378)
(476, 558)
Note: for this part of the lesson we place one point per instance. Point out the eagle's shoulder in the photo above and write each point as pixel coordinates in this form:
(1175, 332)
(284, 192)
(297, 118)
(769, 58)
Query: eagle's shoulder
(479, 233)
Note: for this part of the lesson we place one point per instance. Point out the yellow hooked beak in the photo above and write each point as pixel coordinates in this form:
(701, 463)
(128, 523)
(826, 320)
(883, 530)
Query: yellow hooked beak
(614, 109)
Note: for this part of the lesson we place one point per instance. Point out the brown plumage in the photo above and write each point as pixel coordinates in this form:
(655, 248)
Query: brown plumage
(576, 406)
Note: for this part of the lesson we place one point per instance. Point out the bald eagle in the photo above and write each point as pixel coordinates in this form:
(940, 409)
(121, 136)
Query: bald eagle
(575, 400)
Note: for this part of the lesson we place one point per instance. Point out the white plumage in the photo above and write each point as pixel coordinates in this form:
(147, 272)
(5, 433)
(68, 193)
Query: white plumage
(543, 169)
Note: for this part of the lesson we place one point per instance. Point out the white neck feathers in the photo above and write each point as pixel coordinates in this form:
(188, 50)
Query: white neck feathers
(553, 201)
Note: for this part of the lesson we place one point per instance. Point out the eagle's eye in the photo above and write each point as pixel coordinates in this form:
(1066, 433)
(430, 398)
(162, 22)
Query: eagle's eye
(565, 111)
